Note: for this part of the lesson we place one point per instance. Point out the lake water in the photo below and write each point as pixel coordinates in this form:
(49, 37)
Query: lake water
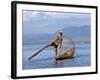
(46, 59)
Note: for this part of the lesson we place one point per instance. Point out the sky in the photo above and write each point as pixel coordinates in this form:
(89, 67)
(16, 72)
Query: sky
(42, 22)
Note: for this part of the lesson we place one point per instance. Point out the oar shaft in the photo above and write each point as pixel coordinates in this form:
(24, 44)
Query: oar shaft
(38, 52)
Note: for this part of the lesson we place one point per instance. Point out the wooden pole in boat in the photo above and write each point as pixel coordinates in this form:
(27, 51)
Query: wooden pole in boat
(38, 52)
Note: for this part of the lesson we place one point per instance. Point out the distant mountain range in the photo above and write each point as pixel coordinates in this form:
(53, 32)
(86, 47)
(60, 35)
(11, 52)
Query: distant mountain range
(81, 33)
(74, 32)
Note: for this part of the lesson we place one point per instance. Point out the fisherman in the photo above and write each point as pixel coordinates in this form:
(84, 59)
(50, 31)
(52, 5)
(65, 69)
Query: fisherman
(57, 43)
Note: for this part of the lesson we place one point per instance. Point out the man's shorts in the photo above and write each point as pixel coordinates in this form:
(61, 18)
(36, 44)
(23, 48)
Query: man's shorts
(54, 45)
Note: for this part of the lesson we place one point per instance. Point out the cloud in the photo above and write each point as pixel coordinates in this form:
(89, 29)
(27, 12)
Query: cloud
(65, 14)
(34, 13)
(28, 15)
(49, 22)
(44, 14)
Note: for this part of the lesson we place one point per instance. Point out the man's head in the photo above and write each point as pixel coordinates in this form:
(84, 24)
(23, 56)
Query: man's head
(61, 32)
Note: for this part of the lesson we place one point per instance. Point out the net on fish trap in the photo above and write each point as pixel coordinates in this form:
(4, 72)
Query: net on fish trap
(68, 48)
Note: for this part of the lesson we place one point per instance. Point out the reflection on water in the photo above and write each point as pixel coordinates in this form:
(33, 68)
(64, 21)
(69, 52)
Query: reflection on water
(46, 59)
(59, 63)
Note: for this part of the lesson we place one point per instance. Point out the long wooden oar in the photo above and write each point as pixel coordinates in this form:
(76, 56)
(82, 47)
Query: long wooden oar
(38, 52)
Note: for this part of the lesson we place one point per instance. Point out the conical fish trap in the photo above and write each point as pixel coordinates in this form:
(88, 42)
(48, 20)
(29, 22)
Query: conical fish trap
(68, 48)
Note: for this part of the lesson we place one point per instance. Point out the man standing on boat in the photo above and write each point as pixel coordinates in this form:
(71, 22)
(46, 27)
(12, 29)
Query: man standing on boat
(57, 43)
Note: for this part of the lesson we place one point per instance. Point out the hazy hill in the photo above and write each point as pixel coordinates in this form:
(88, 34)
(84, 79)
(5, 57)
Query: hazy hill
(80, 33)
